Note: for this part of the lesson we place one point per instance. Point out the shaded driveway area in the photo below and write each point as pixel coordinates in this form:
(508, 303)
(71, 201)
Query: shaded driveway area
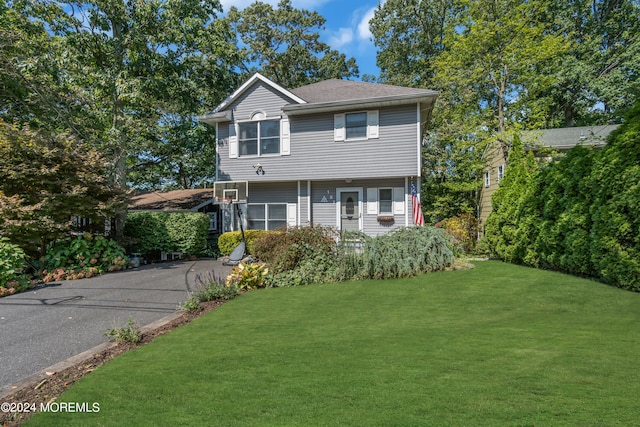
(51, 323)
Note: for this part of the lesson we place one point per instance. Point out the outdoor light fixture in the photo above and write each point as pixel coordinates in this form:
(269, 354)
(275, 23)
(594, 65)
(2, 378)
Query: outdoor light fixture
(258, 168)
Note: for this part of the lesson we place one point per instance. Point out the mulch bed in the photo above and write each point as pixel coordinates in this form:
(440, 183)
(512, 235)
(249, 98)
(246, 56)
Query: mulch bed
(50, 388)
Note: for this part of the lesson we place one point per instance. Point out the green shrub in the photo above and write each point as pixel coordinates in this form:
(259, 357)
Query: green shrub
(82, 257)
(12, 263)
(578, 215)
(150, 232)
(615, 211)
(308, 256)
(210, 287)
(407, 251)
(285, 250)
(228, 241)
(147, 232)
(513, 222)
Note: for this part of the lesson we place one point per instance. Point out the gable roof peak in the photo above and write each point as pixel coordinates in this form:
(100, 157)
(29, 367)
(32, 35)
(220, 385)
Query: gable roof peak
(257, 77)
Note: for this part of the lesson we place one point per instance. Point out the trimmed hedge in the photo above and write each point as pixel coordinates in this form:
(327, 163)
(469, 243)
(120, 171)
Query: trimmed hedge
(228, 241)
(150, 232)
(578, 215)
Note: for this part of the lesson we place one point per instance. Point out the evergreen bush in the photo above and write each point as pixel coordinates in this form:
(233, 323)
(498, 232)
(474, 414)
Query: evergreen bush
(578, 215)
(150, 232)
(228, 241)
(407, 251)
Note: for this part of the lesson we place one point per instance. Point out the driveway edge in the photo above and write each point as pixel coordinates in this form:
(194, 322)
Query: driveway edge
(36, 378)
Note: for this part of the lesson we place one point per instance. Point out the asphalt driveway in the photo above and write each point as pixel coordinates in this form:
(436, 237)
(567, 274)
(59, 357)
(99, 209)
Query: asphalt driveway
(51, 323)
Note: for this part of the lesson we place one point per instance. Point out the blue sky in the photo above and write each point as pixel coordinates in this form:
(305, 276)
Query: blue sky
(346, 29)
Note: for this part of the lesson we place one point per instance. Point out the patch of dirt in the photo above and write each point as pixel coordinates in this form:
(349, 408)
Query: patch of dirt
(49, 389)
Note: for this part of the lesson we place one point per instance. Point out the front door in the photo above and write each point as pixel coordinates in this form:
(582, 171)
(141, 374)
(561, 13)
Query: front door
(349, 211)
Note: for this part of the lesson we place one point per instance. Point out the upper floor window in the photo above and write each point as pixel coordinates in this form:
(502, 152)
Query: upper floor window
(500, 173)
(259, 138)
(354, 126)
(487, 178)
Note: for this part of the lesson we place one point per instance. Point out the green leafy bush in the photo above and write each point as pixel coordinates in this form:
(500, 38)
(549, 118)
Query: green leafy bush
(150, 232)
(129, 333)
(615, 211)
(82, 257)
(12, 263)
(248, 276)
(228, 241)
(285, 250)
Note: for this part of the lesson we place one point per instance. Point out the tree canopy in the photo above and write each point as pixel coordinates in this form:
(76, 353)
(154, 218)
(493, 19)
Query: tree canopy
(46, 179)
(502, 66)
(283, 43)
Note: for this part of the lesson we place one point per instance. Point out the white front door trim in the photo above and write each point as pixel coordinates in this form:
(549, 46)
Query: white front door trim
(339, 192)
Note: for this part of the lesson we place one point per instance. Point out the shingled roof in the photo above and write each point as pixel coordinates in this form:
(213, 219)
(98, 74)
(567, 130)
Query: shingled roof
(566, 138)
(176, 200)
(335, 90)
(331, 95)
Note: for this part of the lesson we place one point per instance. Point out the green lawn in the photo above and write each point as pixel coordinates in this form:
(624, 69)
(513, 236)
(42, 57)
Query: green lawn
(496, 345)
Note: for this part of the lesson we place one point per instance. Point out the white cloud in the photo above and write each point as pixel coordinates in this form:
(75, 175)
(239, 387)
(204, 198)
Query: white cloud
(342, 37)
(364, 33)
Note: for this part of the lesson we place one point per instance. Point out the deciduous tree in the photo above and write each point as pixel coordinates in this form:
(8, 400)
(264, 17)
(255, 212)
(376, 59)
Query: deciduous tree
(283, 43)
(46, 179)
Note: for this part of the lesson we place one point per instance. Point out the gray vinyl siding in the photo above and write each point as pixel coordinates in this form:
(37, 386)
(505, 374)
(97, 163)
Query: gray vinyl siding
(325, 213)
(316, 156)
(274, 192)
(323, 198)
(259, 97)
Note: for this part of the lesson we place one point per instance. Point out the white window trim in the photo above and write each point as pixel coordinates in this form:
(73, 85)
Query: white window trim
(392, 201)
(487, 179)
(500, 172)
(288, 213)
(341, 190)
(285, 137)
(340, 126)
(399, 199)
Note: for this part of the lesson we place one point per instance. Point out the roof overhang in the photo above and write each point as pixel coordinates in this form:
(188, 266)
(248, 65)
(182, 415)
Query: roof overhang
(386, 101)
(213, 118)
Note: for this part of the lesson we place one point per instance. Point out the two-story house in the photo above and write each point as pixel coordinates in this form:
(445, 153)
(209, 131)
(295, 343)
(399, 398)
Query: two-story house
(337, 153)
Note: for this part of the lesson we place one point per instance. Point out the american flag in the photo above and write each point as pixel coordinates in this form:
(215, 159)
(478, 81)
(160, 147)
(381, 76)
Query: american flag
(418, 217)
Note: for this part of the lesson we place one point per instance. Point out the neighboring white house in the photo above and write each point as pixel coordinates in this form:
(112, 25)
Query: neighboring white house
(337, 153)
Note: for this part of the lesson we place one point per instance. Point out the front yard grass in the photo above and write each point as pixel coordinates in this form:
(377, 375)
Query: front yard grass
(496, 345)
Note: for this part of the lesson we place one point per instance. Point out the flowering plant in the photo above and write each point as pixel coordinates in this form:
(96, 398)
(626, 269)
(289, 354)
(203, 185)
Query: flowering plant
(248, 276)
